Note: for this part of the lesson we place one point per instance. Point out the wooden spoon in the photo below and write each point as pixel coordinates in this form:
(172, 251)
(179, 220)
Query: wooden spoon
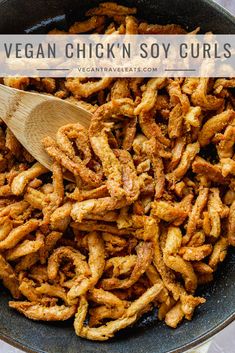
(33, 116)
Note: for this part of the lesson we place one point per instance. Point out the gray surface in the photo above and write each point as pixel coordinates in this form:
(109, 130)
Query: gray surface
(224, 342)
(228, 4)
(5, 348)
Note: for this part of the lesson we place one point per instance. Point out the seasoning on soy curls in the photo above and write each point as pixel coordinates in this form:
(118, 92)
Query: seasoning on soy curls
(151, 212)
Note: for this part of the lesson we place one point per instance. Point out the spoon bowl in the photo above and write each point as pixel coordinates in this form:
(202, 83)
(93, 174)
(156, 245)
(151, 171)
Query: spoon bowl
(33, 116)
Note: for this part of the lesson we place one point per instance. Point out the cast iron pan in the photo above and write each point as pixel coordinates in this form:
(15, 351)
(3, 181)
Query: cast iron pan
(148, 335)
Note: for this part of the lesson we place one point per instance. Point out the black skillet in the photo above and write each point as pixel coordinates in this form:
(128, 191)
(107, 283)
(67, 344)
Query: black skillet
(149, 335)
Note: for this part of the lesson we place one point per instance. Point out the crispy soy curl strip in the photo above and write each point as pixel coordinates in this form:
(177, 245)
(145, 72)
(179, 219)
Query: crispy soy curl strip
(16, 82)
(81, 89)
(194, 216)
(231, 225)
(100, 313)
(113, 243)
(49, 243)
(25, 248)
(144, 258)
(150, 128)
(188, 156)
(9, 278)
(212, 172)
(175, 262)
(188, 302)
(74, 134)
(81, 195)
(177, 97)
(60, 218)
(88, 25)
(175, 315)
(104, 332)
(219, 252)
(35, 198)
(27, 288)
(195, 253)
(175, 124)
(52, 290)
(155, 278)
(150, 95)
(130, 180)
(100, 296)
(120, 89)
(13, 210)
(145, 28)
(225, 143)
(90, 226)
(19, 233)
(177, 153)
(83, 209)
(193, 116)
(214, 213)
(12, 143)
(174, 213)
(111, 9)
(99, 140)
(39, 312)
(121, 264)
(131, 190)
(165, 272)
(129, 134)
(27, 262)
(20, 181)
(96, 264)
(80, 103)
(158, 169)
(101, 333)
(202, 99)
(73, 255)
(6, 226)
(223, 83)
(215, 125)
(76, 168)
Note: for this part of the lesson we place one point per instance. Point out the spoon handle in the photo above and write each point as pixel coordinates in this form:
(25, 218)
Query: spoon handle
(16, 107)
(15, 104)
(9, 100)
(32, 117)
